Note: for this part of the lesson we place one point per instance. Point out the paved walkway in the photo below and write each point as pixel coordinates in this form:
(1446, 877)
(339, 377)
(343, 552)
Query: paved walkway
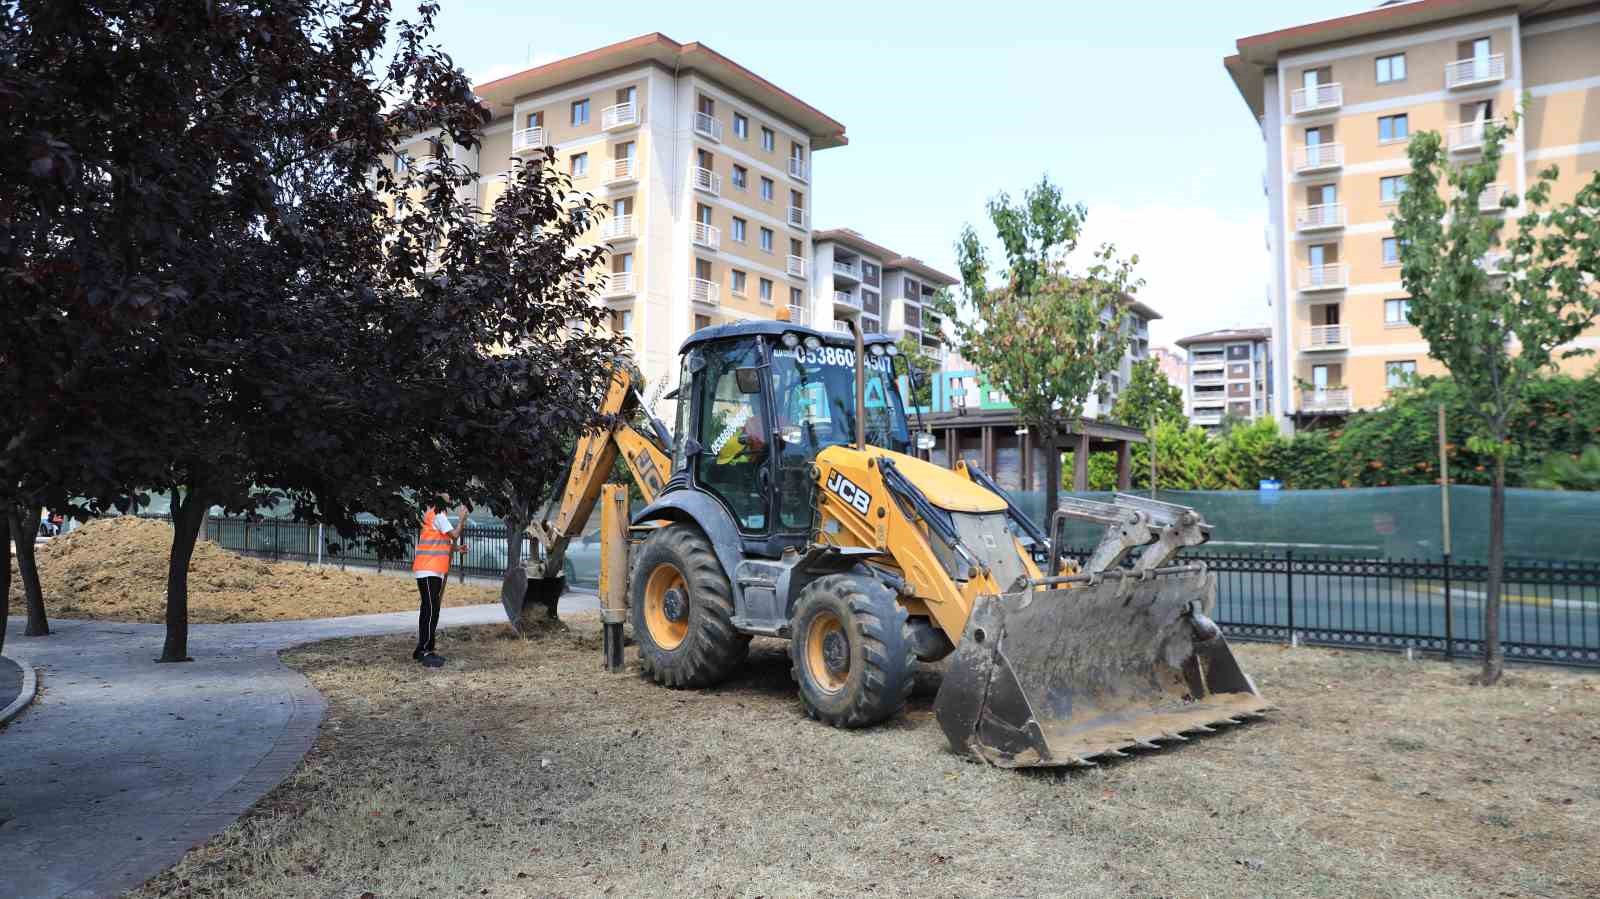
(121, 765)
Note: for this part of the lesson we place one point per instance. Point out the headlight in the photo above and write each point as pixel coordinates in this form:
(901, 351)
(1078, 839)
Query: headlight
(891, 349)
(925, 440)
(791, 339)
(813, 342)
(877, 350)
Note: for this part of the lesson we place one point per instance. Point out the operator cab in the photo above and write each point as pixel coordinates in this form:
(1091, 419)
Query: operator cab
(763, 398)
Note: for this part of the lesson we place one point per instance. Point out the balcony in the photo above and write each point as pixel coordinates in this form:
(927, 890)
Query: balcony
(708, 127)
(622, 171)
(1325, 399)
(1318, 99)
(798, 170)
(703, 291)
(1206, 377)
(1478, 70)
(796, 266)
(529, 140)
(708, 181)
(619, 117)
(619, 228)
(798, 314)
(1334, 276)
(1318, 158)
(1327, 337)
(1489, 200)
(1468, 136)
(1492, 263)
(797, 217)
(1320, 218)
(618, 284)
(847, 299)
(708, 236)
(1206, 416)
(847, 270)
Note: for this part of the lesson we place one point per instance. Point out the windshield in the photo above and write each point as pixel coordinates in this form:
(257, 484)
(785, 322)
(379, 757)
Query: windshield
(815, 392)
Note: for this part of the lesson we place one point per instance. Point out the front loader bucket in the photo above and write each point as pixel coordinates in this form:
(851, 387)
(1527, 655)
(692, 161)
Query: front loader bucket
(1058, 677)
(527, 599)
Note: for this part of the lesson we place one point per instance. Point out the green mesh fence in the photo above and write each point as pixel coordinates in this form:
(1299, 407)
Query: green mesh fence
(1381, 522)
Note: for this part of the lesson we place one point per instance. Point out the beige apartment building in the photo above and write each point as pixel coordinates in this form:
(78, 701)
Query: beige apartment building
(884, 291)
(706, 168)
(1336, 101)
(1227, 373)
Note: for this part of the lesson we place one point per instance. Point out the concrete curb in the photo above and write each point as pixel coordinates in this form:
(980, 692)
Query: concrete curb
(30, 687)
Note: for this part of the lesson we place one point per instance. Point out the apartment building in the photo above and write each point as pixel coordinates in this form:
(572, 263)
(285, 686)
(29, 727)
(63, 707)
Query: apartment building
(706, 168)
(1173, 365)
(870, 283)
(1336, 101)
(1228, 373)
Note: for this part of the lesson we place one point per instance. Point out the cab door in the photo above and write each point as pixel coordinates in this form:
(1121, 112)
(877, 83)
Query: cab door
(732, 426)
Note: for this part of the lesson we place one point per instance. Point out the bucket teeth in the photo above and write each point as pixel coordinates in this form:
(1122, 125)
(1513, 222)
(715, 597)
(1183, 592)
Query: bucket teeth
(1203, 729)
(1146, 744)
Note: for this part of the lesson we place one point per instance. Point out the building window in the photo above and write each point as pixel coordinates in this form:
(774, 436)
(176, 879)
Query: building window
(766, 189)
(621, 321)
(869, 272)
(1391, 68)
(766, 240)
(738, 281)
(769, 141)
(795, 297)
(870, 325)
(741, 177)
(766, 290)
(1393, 127)
(1390, 188)
(579, 165)
(702, 321)
(741, 126)
(1398, 374)
(909, 288)
(1395, 312)
(402, 162)
(738, 229)
(580, 111)
(870, 304)
(1391, 251)
(535, 119)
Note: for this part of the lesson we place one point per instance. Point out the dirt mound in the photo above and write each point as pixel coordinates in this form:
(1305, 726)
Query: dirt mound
(116, 568)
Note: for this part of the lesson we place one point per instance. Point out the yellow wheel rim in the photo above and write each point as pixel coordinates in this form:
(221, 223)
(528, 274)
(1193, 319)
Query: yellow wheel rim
(666, 606)
(827, 652)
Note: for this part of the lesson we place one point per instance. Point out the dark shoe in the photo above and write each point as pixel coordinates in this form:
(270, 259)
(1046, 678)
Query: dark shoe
(433, 660)
(417, 654)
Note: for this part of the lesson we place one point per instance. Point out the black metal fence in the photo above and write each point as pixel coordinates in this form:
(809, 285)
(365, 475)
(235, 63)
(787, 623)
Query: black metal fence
(1549, 613)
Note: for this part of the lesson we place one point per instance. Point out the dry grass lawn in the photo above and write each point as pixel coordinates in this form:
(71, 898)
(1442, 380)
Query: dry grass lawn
(115, 569)
(523, 770)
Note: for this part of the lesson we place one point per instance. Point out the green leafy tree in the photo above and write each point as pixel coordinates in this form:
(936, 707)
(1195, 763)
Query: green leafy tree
(1566, 471)
(1045, 334)
(1149, 397)
(1496, 311)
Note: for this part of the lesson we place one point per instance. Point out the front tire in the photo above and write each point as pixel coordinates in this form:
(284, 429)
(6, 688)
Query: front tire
(681, 605)
(849, 651)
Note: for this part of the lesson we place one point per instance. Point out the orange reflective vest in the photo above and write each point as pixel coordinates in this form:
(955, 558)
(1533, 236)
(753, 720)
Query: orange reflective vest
(433, 549)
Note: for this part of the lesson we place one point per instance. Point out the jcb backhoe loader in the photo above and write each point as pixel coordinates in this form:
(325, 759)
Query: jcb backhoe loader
(795, 509)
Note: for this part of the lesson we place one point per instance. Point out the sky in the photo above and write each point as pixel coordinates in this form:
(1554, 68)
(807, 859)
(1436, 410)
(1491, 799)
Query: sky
(1124, 105)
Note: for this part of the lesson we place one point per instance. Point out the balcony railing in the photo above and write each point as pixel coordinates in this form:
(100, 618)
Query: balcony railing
(1206, 416)
(618, 284)
(1334, 276)
(1489, 200)
(1325, 399)
(1327, 337)
(707, 235)
(846, 268)
(707, 126)
(623, 169)
(1318, 157)
(622, 115)
(796, 266)
(1478, 70)
(1320, 218)
(703, 291)
(846, 298)
(1323, 96)
(619, 228)
(797, 217)
(1206, 377)
(798, 314)
(798, 169)
(529, 140)
(708, 181)
(1468, 136)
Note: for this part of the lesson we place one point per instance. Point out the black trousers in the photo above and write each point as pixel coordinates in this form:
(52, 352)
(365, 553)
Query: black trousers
(431, 591)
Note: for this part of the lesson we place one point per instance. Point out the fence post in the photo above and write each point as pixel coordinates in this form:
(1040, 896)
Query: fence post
(277, 542)
(1449, 630)
(1288, 572)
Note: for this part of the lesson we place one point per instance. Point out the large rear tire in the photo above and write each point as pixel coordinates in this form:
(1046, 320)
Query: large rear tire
(682, 609)
(849, 651)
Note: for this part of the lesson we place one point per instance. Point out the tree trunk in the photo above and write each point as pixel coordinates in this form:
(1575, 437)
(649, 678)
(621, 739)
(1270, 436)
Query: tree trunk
(187, 518)
(24, 523)
(5, 577)
(1493, 659)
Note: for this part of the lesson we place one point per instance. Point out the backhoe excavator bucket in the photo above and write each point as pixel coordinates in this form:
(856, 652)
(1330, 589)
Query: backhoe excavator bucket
(1061, 676)
(527, 599)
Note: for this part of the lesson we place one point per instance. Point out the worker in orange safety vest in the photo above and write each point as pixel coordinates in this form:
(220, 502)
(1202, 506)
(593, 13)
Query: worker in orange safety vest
(431, 565)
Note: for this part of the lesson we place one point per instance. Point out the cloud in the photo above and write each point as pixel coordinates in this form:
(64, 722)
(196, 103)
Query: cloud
(1202, 270)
